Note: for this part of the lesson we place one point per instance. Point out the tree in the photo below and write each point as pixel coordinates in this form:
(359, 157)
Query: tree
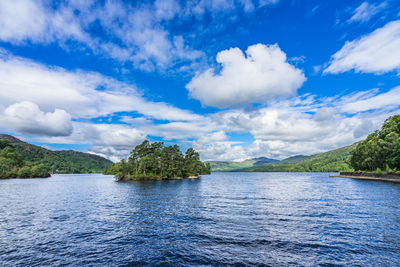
(380, 149)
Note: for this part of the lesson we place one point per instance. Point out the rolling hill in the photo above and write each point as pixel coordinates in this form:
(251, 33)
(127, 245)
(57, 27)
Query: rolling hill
(331, 161)
(226, 166)
(63, 161)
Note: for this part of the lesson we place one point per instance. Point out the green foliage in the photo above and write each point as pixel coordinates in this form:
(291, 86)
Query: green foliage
(13, 164)
(380, 150)
(57, 161)
(154, 160)
(226, 166)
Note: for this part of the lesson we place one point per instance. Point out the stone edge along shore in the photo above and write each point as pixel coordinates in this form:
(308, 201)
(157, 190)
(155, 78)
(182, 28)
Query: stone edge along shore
(394, 178)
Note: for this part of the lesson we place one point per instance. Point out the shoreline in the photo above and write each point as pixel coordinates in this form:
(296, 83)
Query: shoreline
(127, 179)
(394, 178)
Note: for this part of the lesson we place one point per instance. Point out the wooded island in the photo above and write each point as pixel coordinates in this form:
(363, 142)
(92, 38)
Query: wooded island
(154, 161)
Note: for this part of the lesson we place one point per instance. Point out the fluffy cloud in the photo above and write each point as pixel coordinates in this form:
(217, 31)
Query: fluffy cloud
(260, 75)
(140, 36)
(223, 151)
(137, 33)
(176, 130)
(24, 20)
(75, 92)
(40, 100)
(19, 19)
(377, 52)
(27, 118)
(366, 11)
(300, 125)
(212, 138)
(365, 102)
(113, 141)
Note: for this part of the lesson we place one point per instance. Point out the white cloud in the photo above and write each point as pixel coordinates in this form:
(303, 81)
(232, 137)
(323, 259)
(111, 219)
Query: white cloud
(137, 33)
(113, 141)
(223, 151)
(40, 100)
(76, 92)
(166, 9)
(366, 11)
(23, 20)
(212, 137)
(26, 117)
(385, 101)
(260, 75)
(176, 130)
(19, 19)
(377, 52)
(300, 125)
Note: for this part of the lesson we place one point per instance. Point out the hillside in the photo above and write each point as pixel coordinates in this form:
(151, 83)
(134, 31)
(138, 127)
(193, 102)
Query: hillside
(64, 161)
(334, 160)
(226, 166)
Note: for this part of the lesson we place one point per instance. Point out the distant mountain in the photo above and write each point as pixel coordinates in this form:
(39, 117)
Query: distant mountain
(263, 160)
(227, 166)
(239, 165)
(63, 161)
(331, 161)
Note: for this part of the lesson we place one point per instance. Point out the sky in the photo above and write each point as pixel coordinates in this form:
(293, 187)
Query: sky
(234, 79)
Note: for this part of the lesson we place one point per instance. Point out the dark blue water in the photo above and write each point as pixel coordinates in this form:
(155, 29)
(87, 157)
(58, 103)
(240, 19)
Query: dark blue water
(276, 219)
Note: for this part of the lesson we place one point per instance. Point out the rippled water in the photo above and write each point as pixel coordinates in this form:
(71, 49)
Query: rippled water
(224, 218)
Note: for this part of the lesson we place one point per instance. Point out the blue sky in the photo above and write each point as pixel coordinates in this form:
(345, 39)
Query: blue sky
(233, 79)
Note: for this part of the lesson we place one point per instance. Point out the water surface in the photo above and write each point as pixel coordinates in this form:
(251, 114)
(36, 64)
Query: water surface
(224, 218)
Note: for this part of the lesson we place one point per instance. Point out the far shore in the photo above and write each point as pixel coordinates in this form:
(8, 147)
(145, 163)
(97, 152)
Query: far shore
(147, 178)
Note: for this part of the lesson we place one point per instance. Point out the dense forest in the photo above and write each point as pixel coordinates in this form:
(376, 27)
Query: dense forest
(156, 161)
(64, 161)
(380, 151)
(13, 164)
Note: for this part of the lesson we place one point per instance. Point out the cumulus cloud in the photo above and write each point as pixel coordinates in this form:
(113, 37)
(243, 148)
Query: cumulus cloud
(41, 100)
(223, 151)
(19, 19)
(212, 137)
(24, 20)
(259, 75)
(300, 125)
(177, 130)
(26, 117)
(81, 94)
(366, 11)
(386, 101)
(113, 141)
(137, 33)
(377, 52)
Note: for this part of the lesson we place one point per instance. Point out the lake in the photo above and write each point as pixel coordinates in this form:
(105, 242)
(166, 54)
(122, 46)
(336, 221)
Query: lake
(278, 219)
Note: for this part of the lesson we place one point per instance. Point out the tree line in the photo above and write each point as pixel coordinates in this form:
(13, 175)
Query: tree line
(380, 151)
(156, 161)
